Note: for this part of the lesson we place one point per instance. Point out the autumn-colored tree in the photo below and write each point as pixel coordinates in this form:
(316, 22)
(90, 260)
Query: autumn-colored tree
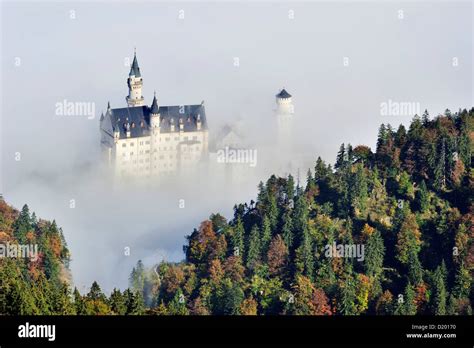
(408, 239)
(277, 256)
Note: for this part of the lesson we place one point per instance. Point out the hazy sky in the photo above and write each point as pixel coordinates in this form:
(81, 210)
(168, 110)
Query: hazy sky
(56, 51)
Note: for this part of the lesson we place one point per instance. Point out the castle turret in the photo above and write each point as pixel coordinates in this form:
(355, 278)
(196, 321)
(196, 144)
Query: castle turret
(284, 115)
(284, 103)
(135, 84)
(154, 114)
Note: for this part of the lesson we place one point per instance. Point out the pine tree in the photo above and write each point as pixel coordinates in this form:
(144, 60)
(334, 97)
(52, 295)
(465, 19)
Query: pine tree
(117, 302)
(341, 158)
(230, 299)
(358, 192)
(439, 294)
(79, 304)
(22, 225)
(290, 187)
(373, 260)
(237, 238)
(410, 305)
(96, 293)
(320, 170)
(287, 229)
(425, 118)
(254, 248)
(347, 298)
(415, 271)
(401, 136)
(137, 277)
(381, 138)
(423, 197)
(440, 169)
(134, 302)
(266, 234)
(349, 154)
(462, 282)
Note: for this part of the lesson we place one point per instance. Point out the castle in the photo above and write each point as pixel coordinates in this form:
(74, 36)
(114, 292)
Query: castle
(149, 141)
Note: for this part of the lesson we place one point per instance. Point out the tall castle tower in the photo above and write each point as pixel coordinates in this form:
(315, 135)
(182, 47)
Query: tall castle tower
(135, 84)
(284, 115)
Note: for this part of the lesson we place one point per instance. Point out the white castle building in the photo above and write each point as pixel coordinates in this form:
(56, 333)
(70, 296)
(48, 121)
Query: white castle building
(149, 141)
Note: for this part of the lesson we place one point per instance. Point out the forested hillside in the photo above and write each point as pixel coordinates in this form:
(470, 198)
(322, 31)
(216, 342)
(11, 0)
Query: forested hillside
(409, 204)
(36, 284)
(384, 232)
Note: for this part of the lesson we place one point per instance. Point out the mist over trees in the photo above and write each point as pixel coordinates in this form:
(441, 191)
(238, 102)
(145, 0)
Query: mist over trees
(407, 207)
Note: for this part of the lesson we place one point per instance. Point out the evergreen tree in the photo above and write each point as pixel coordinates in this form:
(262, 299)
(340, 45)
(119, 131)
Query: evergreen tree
(410, 304)
(266, 234)
(287, 229)
(440, 169)
(373, 260)
(79, 304)
(415, 271)
(290, 187)
(237, 238)
(341, 158)
(254, 248)
(423, 197)
(347, 298)
(22, 225)
(439, 294)
(358, 192)
(137, 277)
(117, 302)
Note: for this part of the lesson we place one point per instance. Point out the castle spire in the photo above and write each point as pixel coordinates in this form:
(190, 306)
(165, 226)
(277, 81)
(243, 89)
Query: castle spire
(135, 84)
(154, 105)
(135, 69)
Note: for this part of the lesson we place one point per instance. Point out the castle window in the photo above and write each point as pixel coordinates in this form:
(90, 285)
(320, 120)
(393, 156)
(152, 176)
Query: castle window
(147, 142)
(132, 144)
(124, 144)
(131, 153)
